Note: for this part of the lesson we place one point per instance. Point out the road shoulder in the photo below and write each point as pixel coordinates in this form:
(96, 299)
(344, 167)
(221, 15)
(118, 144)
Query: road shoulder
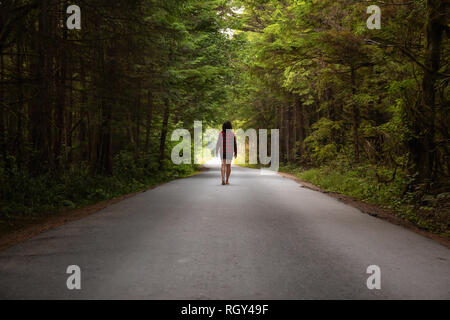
(371, 209)
(30, 227)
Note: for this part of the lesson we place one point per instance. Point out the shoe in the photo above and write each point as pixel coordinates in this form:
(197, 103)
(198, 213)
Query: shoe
(223, 183)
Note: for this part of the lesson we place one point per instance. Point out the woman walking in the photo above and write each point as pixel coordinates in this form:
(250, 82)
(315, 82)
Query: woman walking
(226, 147)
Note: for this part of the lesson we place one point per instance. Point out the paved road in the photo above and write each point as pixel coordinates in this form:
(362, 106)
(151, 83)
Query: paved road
(262, 237)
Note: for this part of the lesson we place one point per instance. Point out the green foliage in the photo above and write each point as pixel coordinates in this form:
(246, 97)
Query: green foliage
(354, 97)
(23, 195)
(94, 121)
(363, 183)
(319, 144)
(87, 115)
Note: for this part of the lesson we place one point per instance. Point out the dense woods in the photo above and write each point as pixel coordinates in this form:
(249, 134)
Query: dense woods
(87, 114)
(369, 107)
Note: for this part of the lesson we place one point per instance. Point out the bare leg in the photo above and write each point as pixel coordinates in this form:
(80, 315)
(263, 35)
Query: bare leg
(228, 172)
(222, 170)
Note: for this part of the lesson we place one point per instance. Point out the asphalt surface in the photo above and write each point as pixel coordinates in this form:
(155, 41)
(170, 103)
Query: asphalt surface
(262, 237)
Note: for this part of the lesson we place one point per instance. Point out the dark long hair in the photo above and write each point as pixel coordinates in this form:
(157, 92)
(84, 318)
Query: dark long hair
(227, 126)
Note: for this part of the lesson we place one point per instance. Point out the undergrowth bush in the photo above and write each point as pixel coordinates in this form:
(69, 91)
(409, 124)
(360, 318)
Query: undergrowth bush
(382, 187)
(24, 195)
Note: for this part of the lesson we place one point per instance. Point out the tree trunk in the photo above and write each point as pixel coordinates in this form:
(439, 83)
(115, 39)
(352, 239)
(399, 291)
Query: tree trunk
(18, 143)
(355, 118)
(286, 132)
(423, 146)
(282, 145)
(40, 108)
(2, 108)
(84, 127)
(69, 129)
(138, 119)
(149, 121)
(138, 124)
(104, 156)
(301, 126)
(109, 77)
(294, 130)
(60, 104)
(164, 129)
(130, 131)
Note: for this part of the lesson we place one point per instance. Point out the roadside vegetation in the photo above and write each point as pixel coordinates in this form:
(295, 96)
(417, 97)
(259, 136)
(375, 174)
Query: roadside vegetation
(430, 212)
(31, 199)
(361, 112)
(365, 183)
(87, 115)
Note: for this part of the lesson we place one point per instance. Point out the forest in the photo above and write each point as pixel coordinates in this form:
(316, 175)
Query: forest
(86, 114)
